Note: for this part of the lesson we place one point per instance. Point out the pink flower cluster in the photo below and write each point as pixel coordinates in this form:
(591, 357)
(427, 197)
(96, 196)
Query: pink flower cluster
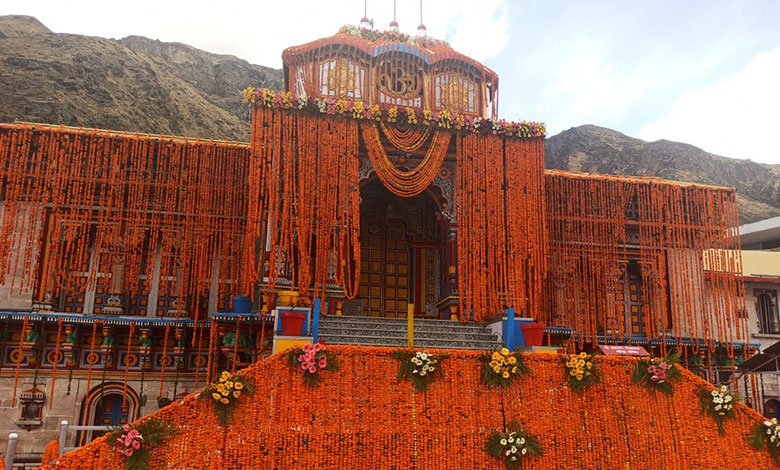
(129, 442)
(313, 358)
(658, 372)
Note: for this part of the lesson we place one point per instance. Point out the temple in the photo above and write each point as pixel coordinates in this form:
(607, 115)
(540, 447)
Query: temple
(381, 184)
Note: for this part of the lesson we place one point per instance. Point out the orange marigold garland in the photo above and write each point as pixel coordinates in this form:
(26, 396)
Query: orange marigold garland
(226, 394)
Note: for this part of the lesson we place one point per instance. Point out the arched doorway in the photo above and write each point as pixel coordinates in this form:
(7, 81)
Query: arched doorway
(401, 253)
(107, 405)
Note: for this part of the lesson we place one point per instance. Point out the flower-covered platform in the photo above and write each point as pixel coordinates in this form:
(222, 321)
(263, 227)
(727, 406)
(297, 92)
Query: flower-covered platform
(362, 416)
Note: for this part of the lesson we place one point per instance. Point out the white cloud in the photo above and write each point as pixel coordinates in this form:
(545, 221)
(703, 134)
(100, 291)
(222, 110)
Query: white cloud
(737, 117)
(259, 31)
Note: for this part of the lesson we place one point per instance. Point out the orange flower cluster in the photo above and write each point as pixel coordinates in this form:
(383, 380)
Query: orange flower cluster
(128, 197)
(362, 417)
(502, 242)
(684, 237)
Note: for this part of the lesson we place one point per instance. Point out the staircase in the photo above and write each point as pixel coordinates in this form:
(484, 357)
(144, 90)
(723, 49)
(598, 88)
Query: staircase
(433, 334)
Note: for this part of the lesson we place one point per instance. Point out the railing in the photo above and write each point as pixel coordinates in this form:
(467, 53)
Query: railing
(65, 427)
(10, 450)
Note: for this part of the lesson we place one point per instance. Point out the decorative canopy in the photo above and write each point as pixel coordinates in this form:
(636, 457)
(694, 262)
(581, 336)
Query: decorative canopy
(388, 67)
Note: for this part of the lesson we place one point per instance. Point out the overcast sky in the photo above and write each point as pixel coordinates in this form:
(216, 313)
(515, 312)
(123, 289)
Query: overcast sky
(701, 72)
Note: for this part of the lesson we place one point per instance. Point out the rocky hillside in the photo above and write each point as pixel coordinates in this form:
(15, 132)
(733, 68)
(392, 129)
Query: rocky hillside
(135, 84)
(140, 84)
(593, 149)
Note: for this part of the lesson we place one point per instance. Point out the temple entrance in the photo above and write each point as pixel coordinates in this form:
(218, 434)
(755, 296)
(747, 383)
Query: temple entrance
(401, 246)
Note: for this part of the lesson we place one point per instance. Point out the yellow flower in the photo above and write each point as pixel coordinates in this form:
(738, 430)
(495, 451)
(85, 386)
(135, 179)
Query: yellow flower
(229, 384)
(238, 386)
(512, 360)
(220, 388)
(589, 364)
(505, 351)
(580, 363)
(505, 375)
(572, 372)
(216, 396)
(225, 401)
(579, 376)
(225, 392)
(236, 394)
(497, 370)
(583, 355)
(514, 370)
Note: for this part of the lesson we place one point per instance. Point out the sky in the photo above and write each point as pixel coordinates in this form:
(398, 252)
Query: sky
(701, 72)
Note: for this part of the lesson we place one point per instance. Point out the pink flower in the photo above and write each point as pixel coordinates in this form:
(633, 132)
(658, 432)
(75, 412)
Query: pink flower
(306, 348)
(127, 441)
(128, 452)
(313, 369)
(323, 363)
(136, 445)
(305, 365)
(317, 347)
(126, 427)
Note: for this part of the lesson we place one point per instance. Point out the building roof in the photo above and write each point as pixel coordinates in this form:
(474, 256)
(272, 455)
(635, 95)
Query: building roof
(761, 231)
(361, 416)
(767, 360)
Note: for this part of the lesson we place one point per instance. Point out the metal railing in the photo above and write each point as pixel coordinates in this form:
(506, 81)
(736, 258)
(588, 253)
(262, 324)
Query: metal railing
(65, 427)
(10, 450)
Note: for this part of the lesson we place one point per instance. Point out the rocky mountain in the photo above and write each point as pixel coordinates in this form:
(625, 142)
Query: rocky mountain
(593, 149)
(134, 84)
(140, 84)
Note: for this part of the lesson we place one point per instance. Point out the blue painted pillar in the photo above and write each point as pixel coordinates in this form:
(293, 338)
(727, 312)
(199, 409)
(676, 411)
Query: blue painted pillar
(315, 321)
(509, 329)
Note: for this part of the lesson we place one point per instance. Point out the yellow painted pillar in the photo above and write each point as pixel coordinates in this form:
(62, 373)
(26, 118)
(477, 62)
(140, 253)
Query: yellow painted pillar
(410, 326)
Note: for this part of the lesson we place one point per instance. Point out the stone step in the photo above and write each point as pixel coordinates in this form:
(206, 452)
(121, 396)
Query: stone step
(401, 333)
(443, 343)
(402, 327)
(420, 320)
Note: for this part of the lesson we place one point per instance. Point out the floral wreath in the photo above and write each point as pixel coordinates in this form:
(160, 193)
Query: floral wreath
(420, 367)
(658, 374)
(718, 404)
(311, 359)
(226, 392)
(513, 445)
(503, 367)
(581, 370)
(135, 441)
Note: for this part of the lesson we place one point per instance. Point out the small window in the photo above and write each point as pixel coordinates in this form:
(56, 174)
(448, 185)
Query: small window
(766, 309)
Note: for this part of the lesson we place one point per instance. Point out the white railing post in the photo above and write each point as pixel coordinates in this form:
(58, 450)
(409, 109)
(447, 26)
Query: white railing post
(10, 451)
(63, 436)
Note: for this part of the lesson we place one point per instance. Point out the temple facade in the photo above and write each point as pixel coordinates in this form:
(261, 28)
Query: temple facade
(381, 183)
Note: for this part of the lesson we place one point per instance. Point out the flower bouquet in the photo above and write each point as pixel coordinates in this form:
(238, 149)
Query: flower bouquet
(512, 445)
(719, 404)
(769, 431)
(225, 394)
(581, 370)
(312, 358)
(135, 441)
(418, 366)
(502, 367)
(658, 374)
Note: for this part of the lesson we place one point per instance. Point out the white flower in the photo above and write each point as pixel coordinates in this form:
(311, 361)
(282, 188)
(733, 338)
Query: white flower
(422, 373)
(717, 400)
(772, 438)
(767, 423)
(513, 458)
(774, 420)
(522, 441)
(714, 393)
(430, 369)
(508, 452)
(722, 413)
(414, 371)
(511, 439)
(423, 356)
(524, 451)
(723, 388)
(514, 449)
(503, 442)
(718, 407)
(728, 398)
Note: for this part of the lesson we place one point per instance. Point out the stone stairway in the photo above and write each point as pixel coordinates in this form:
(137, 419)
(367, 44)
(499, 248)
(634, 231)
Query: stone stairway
(434, 334)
